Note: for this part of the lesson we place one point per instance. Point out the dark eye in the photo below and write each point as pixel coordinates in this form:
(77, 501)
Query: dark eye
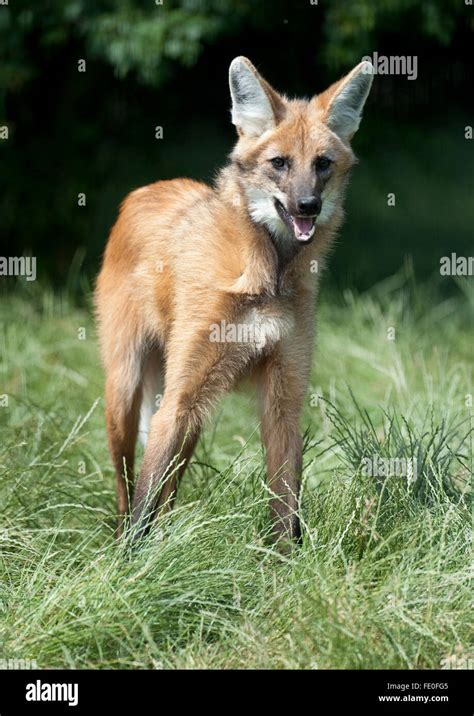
(323, 163)
(278, 162)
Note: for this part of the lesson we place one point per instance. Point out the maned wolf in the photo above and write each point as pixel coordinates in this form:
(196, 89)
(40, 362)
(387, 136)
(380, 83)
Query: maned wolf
(202, 286)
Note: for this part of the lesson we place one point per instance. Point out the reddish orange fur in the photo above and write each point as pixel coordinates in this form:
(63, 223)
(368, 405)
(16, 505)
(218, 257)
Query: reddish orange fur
(183, 256)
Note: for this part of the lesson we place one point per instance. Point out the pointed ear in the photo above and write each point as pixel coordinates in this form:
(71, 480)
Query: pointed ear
(344, 101)
(256, 107)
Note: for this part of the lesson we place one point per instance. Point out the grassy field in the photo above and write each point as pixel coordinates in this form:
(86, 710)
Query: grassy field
(382, 578)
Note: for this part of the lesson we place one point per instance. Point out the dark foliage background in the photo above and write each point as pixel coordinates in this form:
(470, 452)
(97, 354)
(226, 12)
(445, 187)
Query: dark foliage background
(152, 64)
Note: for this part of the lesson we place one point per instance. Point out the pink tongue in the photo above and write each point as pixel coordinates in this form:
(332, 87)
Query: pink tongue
(303, 224)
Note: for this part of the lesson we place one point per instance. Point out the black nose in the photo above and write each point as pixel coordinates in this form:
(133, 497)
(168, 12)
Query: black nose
(309, 205)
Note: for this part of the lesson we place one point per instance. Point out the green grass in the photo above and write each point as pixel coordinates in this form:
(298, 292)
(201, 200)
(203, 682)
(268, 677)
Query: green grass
(382, 578)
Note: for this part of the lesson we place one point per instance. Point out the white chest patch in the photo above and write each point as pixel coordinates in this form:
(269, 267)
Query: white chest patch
(265, 329)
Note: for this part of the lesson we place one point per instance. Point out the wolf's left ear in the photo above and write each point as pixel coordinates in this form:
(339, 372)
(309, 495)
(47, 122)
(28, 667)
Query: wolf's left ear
(344, 101)
(256, 107)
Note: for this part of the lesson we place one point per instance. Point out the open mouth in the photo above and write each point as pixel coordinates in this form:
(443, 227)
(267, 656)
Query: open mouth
(302, 227)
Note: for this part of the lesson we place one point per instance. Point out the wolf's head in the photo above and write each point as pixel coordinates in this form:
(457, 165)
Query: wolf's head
(293, 156)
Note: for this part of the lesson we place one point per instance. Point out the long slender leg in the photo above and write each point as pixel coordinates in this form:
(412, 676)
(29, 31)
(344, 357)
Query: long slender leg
(170, 446)
(283, 384)
(122, 414)
(194, 382)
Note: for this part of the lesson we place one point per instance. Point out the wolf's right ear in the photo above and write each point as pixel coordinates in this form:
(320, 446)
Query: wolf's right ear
(256, 107)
